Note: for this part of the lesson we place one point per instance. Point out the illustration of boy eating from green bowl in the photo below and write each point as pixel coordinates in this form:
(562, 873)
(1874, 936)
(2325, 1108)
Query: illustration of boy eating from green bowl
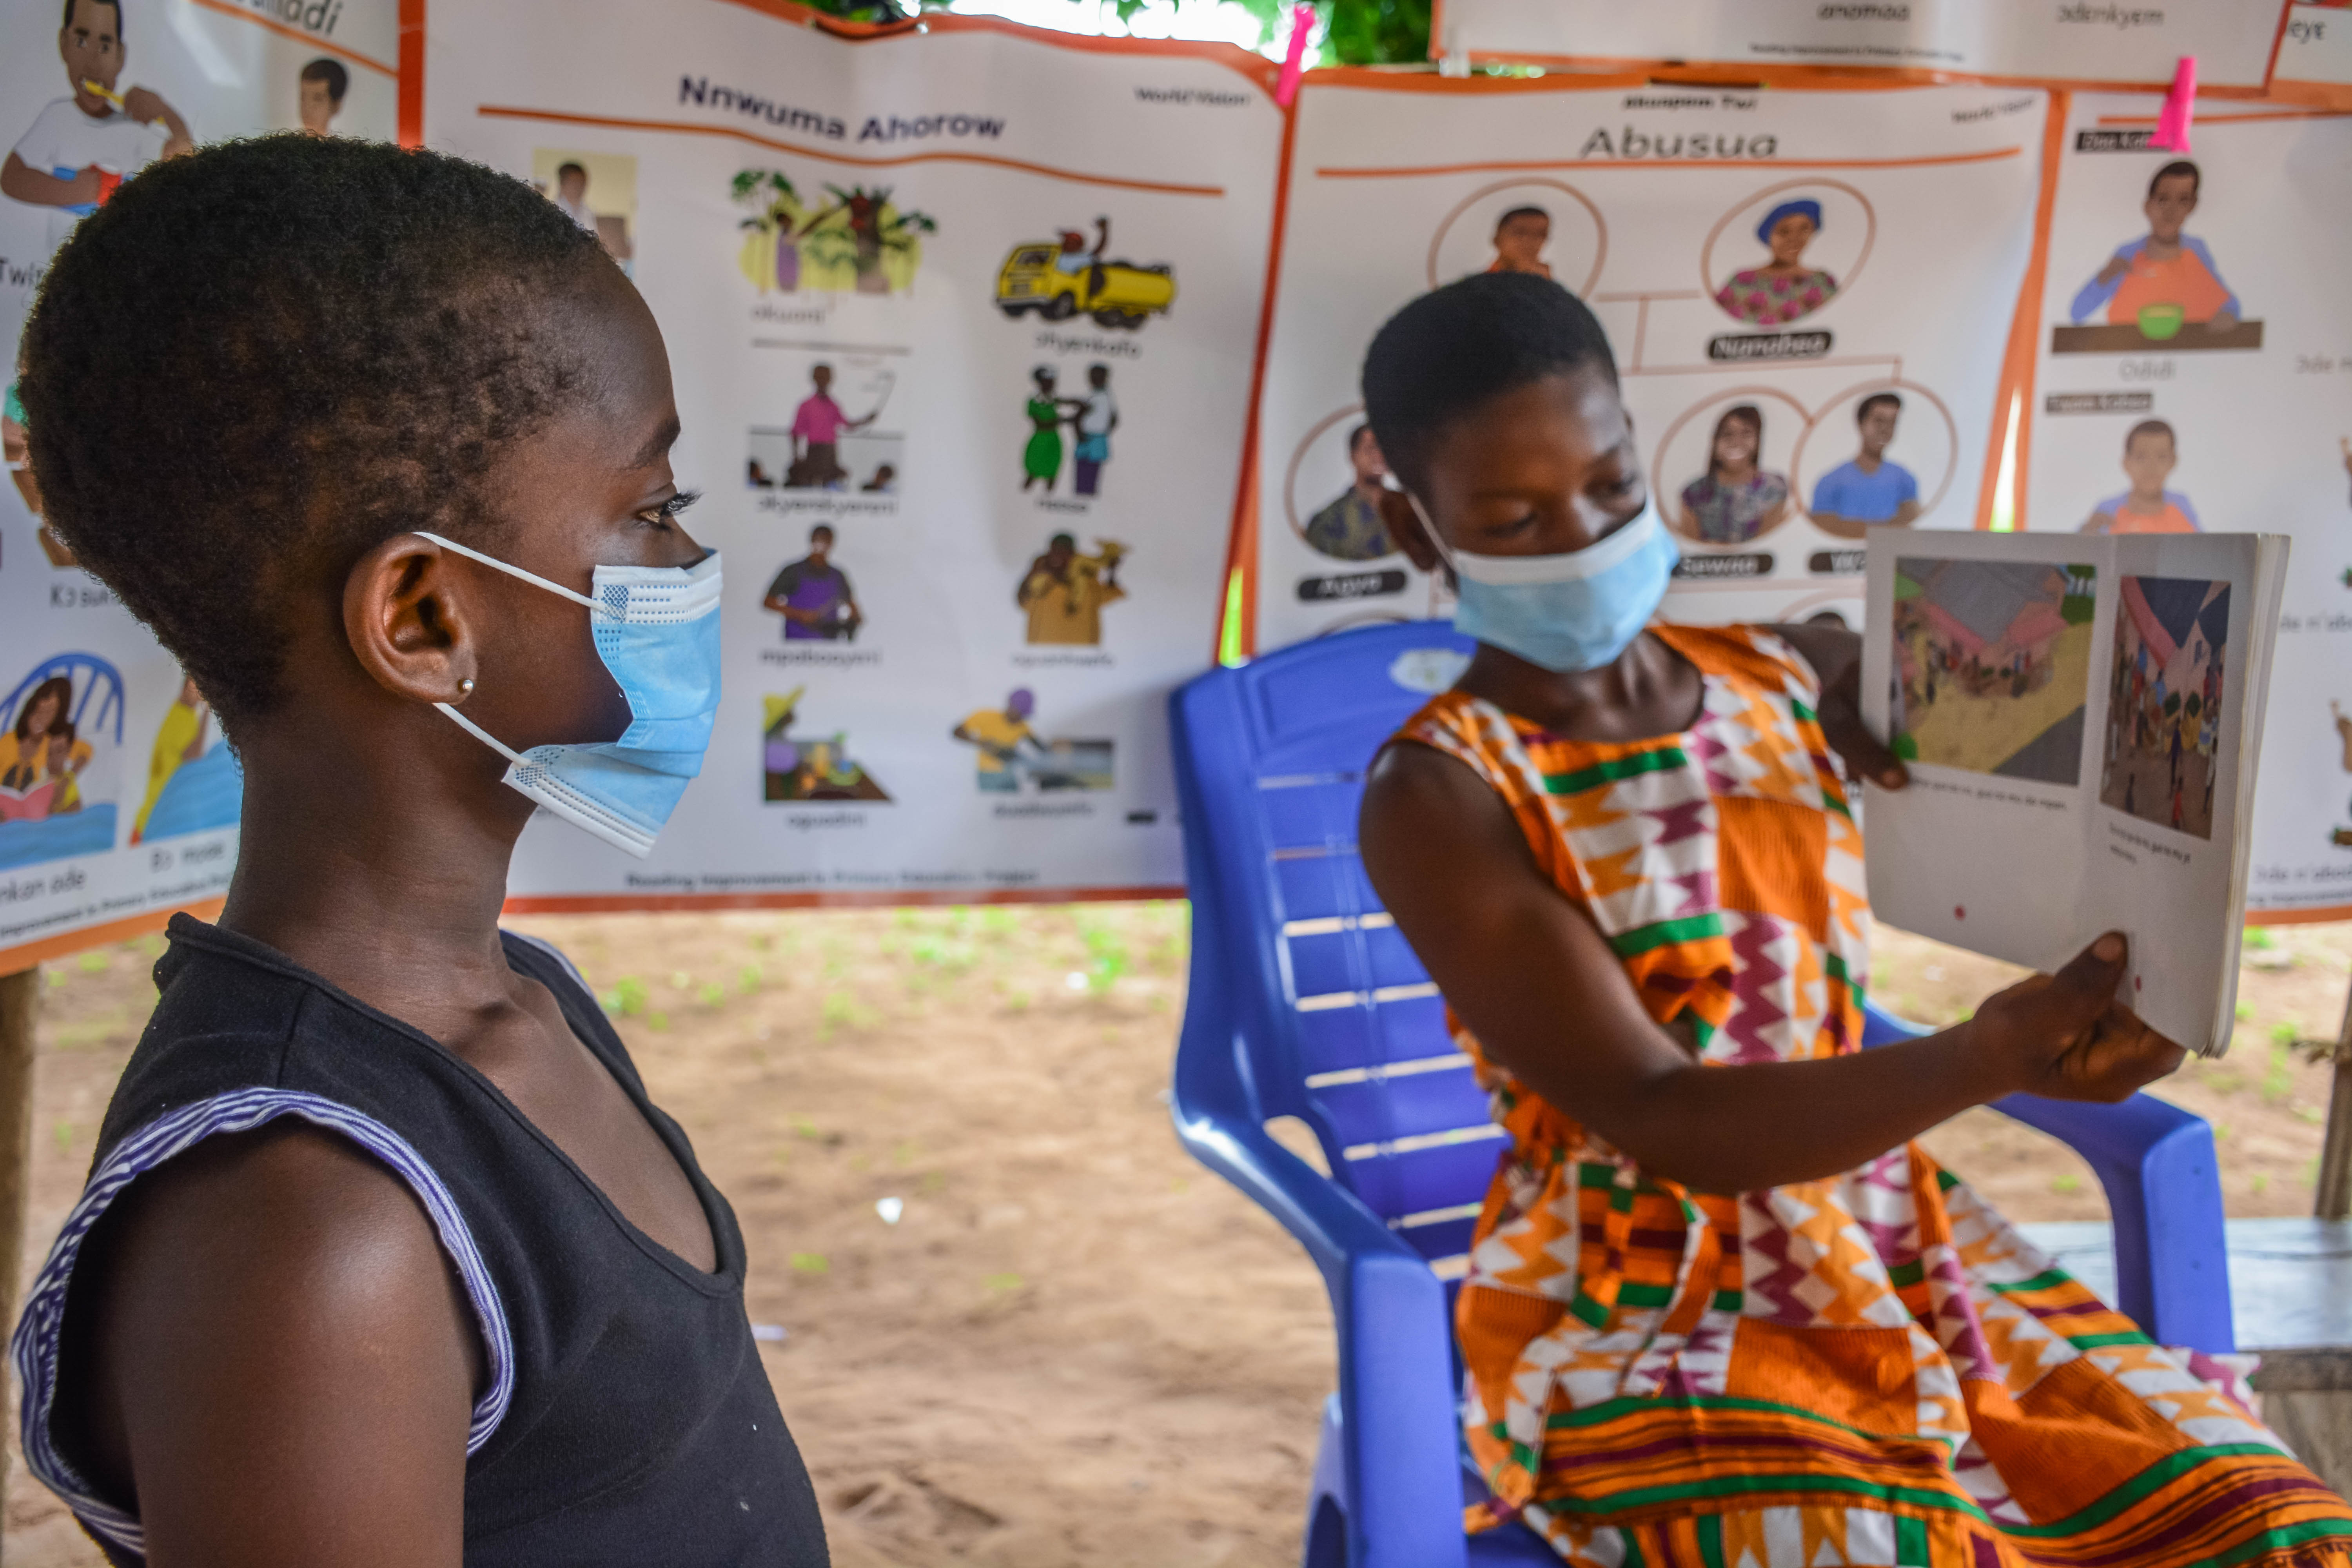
(2164, 279)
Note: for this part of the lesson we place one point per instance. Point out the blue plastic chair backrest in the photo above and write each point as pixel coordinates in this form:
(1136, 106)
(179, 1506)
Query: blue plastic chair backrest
(1341, 1026)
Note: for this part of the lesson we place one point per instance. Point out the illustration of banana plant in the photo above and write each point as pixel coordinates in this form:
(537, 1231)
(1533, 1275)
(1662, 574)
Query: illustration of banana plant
(862, 232)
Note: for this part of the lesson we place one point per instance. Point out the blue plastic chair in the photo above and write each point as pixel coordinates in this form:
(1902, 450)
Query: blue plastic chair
(1305, 1002)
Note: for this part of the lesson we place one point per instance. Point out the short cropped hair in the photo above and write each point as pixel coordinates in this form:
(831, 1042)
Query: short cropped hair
(333, 73)
(256, 363)
(2178, 166)
(114, 6)
(563, 168)
(1862, 410)
(1520, 212)
(1451, 350)
(2150, 427)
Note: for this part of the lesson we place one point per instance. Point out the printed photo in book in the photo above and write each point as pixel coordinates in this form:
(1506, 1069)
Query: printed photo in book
(2081, 716)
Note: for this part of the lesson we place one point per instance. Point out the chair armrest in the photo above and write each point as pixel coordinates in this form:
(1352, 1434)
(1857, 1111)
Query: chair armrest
(2163, 1183)
(1400, 1422)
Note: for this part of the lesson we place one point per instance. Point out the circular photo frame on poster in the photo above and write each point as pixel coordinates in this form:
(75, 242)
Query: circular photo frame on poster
(1723, 470)
(1365, 618)
(1921, 457)
(1547, 226)
(1826, 607)
(1787, 250)
(1327, 493)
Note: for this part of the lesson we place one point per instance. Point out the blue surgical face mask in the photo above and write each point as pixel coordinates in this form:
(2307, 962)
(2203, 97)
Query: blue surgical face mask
(1567, 612)
(656, 629)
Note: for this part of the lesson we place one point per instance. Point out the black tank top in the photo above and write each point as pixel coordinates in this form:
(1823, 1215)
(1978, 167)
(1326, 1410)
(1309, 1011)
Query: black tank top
(626, 1420)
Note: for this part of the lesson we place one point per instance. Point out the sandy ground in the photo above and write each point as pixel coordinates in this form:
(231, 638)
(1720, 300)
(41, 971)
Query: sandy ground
(1076, 1347)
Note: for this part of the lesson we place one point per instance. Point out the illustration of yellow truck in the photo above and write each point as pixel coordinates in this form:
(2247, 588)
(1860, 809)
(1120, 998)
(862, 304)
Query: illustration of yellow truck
(1115, 293)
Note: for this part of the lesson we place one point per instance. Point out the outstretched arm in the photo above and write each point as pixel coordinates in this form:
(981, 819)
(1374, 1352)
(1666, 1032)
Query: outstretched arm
(1538, 985)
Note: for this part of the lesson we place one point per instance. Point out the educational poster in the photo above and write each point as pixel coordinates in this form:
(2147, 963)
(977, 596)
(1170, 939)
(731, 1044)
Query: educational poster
(2314, 61)
(117, 798)
(2085, 41)
(962, 325)
(1808, 295)
(2194, 374)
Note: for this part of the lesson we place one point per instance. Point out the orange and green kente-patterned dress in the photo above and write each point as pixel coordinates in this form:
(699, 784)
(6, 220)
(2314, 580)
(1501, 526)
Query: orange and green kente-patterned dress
(1875, 1368)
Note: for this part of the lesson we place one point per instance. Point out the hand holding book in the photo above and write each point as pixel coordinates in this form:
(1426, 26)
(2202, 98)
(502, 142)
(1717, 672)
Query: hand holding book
(2066, 1037)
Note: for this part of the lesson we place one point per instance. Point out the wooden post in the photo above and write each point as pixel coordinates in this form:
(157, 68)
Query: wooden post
(2333, 1199)
(20, 997)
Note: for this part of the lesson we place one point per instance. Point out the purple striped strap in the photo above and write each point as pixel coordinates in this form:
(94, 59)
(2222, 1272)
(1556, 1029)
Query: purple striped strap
(36, 1344)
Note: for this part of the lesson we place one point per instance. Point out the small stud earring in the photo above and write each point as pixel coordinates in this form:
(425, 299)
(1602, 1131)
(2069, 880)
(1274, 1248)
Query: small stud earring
(464, 688)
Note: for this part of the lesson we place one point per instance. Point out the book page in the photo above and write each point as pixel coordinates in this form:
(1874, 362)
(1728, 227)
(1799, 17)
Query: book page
(2169, 870)
(2076, 713)
(1978, 665)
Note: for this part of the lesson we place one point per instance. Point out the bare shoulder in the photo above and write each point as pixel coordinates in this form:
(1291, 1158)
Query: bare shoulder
(265, 1328)
(286, 1200)
(1414, 787)
(1429, 819)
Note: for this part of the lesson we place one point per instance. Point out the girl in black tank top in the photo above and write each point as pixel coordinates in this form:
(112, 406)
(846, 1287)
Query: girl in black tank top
(385, 1257)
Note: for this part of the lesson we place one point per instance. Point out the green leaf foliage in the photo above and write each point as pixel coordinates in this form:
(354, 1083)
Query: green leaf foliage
(1361, 32)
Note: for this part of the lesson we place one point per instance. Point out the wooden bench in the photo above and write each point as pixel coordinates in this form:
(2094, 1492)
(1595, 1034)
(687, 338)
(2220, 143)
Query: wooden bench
(2291, 1292)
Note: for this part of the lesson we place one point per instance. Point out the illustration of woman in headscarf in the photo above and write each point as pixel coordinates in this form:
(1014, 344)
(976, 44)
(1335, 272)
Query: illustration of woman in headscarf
(1785, 289)
(1735, 500)
(1042, 458)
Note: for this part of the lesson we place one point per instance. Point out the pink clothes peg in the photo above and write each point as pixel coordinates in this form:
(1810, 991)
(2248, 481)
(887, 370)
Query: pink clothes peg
(2179, 108)
(1293, 64)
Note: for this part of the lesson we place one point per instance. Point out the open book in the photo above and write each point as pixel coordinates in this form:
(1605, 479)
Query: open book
(2082, 717)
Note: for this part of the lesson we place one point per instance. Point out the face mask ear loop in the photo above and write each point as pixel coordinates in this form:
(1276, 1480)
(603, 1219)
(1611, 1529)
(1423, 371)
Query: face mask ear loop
(1429, 527)
(533, 578)
(484, 736)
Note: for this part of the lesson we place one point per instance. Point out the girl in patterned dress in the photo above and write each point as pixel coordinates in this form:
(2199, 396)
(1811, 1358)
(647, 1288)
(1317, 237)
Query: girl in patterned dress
(1721, 1309)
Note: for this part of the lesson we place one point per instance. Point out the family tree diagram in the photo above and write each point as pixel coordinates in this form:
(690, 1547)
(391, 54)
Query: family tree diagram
(1789, 386)
(1785, 424)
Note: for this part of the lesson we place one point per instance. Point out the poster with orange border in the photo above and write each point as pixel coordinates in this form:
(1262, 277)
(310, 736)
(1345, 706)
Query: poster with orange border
(2315, 62)
(2071, 43)
(119, 799)
(2193, 374)
(961, 323)
(1780, 402)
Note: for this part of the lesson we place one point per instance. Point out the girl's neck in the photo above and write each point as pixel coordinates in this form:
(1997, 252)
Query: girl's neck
(1650, 691)
(378, 877)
